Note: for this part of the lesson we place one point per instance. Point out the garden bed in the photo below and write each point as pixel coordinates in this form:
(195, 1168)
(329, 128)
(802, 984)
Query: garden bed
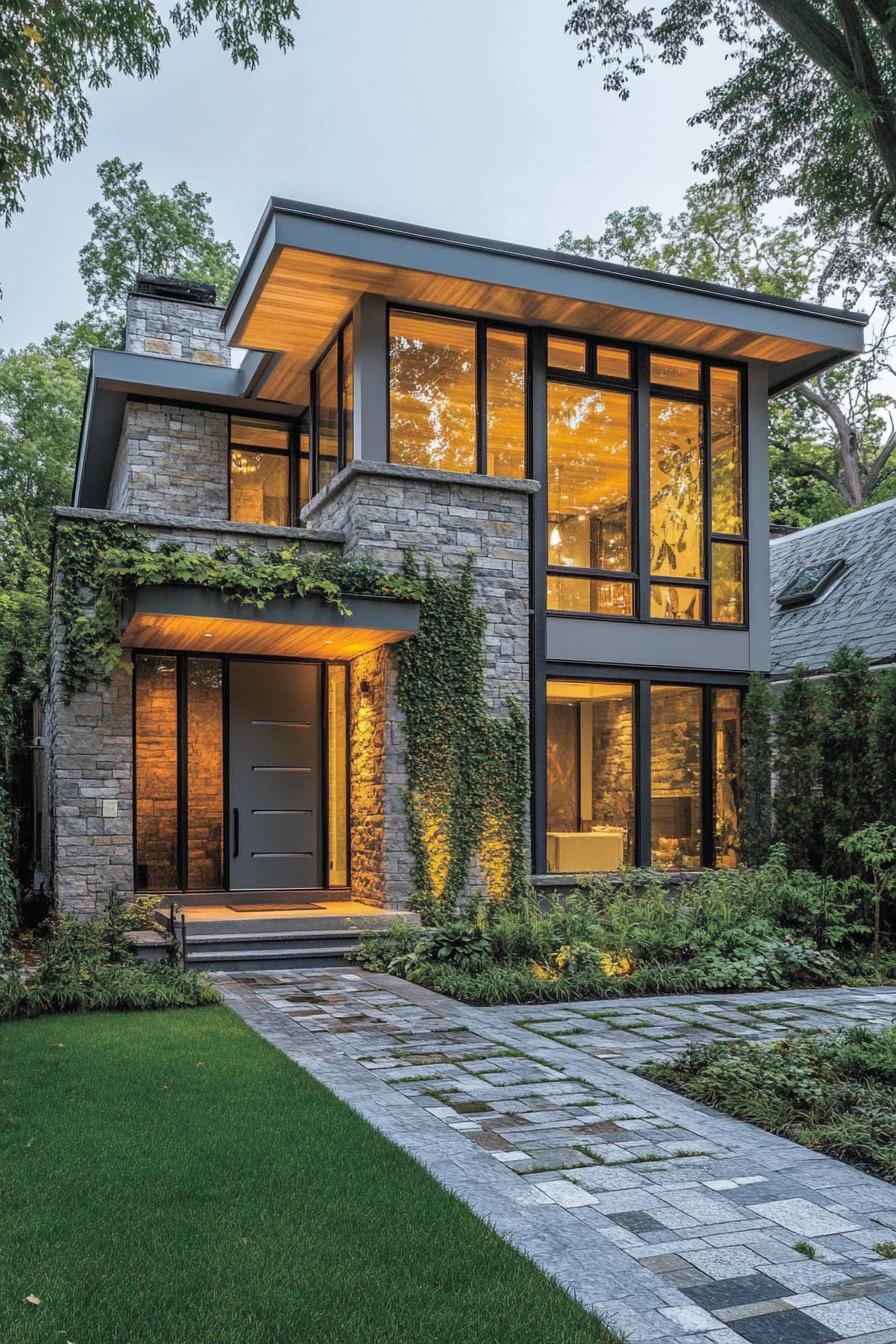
(831, 1091)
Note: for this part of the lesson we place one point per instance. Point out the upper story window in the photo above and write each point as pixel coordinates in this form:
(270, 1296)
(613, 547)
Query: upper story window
(689, 533)
(457, 394)
(333, 402)
(268, 471)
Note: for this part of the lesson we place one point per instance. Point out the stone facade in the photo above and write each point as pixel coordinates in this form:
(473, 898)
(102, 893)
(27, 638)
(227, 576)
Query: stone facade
(172, 329)
(171, 458)
(384, 510)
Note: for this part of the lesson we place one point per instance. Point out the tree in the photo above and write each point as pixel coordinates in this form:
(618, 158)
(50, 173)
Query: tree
(833, 438)
(882, 746)
(847, 783)
(54, 52)
(873, 850)
(808, 114)
(755, 772)
(136, 229)
(798, 770)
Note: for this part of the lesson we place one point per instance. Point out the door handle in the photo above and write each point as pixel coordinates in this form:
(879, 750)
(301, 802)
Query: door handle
(236, 832)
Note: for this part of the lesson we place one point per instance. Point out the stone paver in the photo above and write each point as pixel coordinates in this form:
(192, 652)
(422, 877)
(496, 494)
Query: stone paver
(672, 1222)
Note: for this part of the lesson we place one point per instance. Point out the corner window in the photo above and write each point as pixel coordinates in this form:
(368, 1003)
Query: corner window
(259, 472)
(333, 409)
(641, 772)
(457, 394)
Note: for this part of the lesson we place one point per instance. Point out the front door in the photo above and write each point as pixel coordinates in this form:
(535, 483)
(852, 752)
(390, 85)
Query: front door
(275, 775)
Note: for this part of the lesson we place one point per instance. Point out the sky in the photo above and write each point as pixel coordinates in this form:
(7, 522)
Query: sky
(472, 117)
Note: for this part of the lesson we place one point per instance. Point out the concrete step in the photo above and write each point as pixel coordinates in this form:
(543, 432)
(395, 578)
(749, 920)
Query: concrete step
(224, 943)
(283, 959)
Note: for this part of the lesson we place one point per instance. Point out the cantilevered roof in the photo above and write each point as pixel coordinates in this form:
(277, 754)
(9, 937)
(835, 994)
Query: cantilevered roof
(858, 607)
(307, 265)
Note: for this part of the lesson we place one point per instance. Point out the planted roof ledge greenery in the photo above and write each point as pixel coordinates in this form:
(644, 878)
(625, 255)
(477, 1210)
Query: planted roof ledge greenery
(99, 564)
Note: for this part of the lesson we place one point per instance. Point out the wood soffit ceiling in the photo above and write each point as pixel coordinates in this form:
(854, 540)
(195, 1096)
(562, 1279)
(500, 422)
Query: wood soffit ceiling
(199, 634)
(305, 295)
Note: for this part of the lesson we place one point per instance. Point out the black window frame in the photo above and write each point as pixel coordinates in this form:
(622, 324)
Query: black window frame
(641, 680)
(337, 341)
(295, 426)
(181, 657)
(788, 600)
(482, 326)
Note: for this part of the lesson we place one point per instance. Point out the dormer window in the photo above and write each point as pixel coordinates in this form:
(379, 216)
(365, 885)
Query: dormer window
(810, 583)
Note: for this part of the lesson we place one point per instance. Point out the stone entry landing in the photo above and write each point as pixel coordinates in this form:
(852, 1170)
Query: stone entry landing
(672, 1222)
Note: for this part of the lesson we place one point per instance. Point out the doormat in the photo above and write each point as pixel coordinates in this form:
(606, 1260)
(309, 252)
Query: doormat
(277, 905)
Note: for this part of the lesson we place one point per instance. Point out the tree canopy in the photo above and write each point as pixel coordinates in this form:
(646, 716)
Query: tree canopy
(807, 114)
(55, 53)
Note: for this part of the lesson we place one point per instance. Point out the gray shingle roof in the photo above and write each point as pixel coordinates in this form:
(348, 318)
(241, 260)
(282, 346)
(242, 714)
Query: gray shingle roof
(860, 606)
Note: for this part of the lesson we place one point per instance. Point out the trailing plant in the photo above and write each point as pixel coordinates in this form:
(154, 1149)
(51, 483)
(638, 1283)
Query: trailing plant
(468, 771)
(755, 772)
(98, 565)
(798, 769)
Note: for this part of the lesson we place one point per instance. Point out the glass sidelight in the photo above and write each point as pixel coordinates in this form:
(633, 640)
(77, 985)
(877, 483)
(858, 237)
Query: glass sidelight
(155, 769)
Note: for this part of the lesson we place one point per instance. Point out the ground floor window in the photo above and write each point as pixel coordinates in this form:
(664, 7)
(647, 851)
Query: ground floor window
(641, 772)
(241, 775)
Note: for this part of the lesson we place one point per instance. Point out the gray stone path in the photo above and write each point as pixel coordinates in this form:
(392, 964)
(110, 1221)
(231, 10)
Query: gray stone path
(672, 1222)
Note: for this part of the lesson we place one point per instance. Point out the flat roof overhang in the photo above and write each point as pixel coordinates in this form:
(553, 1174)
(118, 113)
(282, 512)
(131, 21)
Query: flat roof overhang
(116, 376)
(307, 266)
(179, 618)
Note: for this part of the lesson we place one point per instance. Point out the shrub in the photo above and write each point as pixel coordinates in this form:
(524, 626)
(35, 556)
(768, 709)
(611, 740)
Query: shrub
(832, 1091)
(87, 965)
(798, 769)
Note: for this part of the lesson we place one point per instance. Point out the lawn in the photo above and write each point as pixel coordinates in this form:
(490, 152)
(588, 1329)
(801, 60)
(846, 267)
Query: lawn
(169, 1178)
(832, 1091)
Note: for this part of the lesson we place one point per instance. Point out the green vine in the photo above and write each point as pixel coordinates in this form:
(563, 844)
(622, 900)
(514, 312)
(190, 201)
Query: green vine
(468, 771)
(99, 564)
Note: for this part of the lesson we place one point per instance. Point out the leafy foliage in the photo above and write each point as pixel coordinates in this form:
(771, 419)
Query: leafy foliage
(835, 1092)
(882, 745)
(99, 564)
(54, 54)
(847, 783)
(795, 66)
(87, 965)
(798, 769)
(136, 229)
(468, 774)
(733, 929)
(755, 771)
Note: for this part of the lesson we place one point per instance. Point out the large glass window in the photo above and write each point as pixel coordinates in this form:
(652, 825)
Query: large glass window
(348, 395)
(337, 774)
(326, 409)
(205, 774)
(727, 498)
(432, 392)
(676, 793)
(505, 401)
(155, 771)
(726, 729)
(259, 471)
(676, 506)
(590, 778)
(589, 498)
(441, 413)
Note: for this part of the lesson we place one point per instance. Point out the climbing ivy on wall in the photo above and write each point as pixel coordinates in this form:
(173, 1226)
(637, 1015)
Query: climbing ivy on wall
(468, 771)
(99, 564)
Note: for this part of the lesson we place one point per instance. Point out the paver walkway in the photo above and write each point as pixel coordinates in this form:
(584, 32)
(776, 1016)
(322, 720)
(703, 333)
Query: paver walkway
(672, 1222)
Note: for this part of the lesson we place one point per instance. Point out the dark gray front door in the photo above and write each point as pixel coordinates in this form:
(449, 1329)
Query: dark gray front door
(275, 776)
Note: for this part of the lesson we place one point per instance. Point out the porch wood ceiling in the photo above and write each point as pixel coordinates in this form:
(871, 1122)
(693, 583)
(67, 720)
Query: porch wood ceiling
(305, 295)
(195, 620)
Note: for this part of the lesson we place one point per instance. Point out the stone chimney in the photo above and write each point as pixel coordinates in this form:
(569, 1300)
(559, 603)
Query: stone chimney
(174, 319)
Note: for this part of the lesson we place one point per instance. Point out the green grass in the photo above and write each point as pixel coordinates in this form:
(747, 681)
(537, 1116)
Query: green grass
(169, 1178)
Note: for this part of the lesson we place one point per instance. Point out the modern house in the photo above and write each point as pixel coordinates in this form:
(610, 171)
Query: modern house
(595, 436)
(835, 584)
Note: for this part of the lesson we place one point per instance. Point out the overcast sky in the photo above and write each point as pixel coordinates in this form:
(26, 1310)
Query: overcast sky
(472, 116)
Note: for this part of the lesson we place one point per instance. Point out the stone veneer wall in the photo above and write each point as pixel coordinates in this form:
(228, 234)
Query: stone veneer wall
(90, 757)
(384, 511)
(172, 329)
(171, 459)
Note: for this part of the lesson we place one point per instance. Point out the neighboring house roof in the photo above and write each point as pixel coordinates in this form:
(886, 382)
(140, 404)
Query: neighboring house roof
(857, 608)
